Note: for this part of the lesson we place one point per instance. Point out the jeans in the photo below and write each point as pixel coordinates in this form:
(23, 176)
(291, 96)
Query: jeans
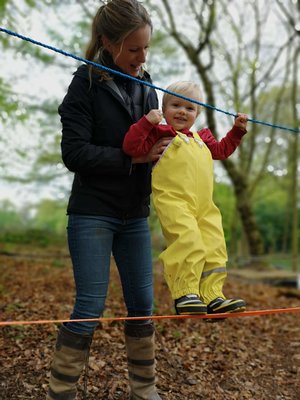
(92, 240)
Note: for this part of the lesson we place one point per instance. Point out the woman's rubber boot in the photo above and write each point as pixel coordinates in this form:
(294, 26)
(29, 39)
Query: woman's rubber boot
(70, 357)
(139, 339)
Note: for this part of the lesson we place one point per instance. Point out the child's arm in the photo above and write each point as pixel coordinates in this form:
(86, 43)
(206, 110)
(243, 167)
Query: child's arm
(222, 149)
(145, 133)
(142, 135)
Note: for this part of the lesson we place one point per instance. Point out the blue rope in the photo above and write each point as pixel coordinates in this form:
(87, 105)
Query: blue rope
(140, 81)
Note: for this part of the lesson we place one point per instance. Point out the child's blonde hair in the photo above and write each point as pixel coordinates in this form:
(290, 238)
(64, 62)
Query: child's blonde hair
(185, 88)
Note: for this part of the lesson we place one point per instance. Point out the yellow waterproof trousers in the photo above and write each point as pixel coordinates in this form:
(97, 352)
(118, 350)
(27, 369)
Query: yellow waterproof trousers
(195, 255)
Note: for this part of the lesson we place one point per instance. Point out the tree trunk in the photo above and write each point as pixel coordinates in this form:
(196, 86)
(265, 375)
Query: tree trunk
(244, 207)
(294, 194)
(239, 182)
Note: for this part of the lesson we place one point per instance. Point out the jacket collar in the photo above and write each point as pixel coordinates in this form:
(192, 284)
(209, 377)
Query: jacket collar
(84, 72)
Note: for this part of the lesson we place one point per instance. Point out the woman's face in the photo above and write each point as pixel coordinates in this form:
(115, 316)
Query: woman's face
(131, 54)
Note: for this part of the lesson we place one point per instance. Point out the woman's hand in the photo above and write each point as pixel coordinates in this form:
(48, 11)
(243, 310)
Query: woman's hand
(155, 152)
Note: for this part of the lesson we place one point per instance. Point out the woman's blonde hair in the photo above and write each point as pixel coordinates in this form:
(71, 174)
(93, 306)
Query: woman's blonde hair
(185, 88)
(115, 20)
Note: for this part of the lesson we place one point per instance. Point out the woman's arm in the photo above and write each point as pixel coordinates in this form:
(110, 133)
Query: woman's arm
(78, 152)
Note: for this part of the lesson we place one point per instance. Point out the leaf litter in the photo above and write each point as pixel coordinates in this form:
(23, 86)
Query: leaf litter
(250, 358)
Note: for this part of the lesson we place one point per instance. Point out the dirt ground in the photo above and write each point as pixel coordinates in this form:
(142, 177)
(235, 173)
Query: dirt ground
(249, 358)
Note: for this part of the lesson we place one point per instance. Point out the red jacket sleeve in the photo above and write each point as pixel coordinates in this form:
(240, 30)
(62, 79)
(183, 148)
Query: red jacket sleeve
(220, 150)
(142, 135)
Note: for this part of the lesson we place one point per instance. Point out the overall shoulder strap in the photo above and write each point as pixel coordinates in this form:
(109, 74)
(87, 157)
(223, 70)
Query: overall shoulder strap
(196, 135)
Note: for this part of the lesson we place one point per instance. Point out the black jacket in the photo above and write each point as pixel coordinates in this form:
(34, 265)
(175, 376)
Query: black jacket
(94, 120)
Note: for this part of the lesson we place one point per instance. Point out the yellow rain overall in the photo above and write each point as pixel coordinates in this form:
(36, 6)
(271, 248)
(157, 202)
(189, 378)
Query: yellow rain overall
(195, 255)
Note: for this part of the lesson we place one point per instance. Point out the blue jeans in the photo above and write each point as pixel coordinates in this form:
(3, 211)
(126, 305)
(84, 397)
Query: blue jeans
(92, 240)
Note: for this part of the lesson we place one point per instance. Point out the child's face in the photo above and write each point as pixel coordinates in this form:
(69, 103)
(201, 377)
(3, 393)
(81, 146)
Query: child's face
(180, 113)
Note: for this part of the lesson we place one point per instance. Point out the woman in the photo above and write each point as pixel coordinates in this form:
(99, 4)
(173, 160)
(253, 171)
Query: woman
(109, 202)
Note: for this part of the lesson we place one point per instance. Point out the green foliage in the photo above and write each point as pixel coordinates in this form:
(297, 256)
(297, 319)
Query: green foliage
(8, 104)
(285, 112)
(10, 218)
(161, 59)
(38, 53)
(225, 201)
(282, 261)
(51, 217)
(177, 334)
(30, 3)
(270, 217)
(46, 226)
(29, 236)
(161, 41)
(270, 211)
(58, 263)
(3, 4)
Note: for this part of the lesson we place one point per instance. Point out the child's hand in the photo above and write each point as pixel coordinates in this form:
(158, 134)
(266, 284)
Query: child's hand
(241, 121)
(154, 116)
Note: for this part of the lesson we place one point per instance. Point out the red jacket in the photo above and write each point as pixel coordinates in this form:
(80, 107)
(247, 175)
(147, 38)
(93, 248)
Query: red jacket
(143, 135)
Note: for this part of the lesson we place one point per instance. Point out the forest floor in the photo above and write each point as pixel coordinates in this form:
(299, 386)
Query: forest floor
(249, 358)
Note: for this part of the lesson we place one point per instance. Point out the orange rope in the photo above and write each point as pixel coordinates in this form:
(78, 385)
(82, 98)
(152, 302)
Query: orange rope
(157, 317)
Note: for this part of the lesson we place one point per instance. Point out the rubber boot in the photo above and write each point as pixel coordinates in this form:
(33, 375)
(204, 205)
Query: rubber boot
(70, 356)
(140, 349)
